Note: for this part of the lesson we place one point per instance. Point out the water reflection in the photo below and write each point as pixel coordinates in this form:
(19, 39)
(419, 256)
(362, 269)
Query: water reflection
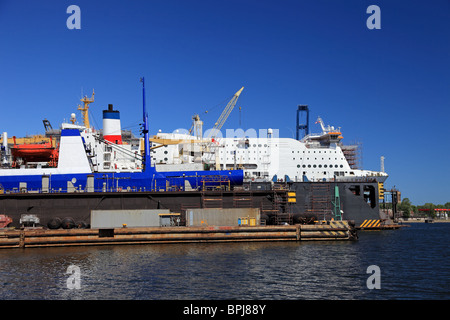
(413, 267)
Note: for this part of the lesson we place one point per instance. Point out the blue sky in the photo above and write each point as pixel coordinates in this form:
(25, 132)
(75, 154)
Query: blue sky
(388, 89)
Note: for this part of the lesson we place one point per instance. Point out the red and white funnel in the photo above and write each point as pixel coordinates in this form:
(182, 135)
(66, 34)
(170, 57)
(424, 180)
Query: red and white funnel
(112, 131)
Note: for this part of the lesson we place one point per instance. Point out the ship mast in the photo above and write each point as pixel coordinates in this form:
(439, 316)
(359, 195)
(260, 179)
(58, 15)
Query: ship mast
(84, 110)
(147, 159)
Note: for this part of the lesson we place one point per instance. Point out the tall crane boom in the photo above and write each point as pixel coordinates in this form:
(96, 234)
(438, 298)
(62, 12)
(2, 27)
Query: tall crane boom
(223, 117)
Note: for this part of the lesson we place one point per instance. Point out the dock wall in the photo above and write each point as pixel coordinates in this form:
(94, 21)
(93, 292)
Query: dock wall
(31, 238)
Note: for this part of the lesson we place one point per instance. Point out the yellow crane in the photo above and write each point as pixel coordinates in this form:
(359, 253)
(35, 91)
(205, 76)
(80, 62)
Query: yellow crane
(84, 110)
(223, 117)
(197, 125)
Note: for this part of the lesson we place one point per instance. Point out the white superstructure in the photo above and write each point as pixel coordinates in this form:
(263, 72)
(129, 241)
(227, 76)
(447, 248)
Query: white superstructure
(103, 155)
(316, 157)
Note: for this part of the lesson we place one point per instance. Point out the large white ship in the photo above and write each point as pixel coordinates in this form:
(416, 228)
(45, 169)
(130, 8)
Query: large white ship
(316, 157)
(320, 170)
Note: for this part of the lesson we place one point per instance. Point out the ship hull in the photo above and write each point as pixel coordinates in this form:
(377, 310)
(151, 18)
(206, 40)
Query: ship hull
(356, 206)
(359, 201)
(78, 205)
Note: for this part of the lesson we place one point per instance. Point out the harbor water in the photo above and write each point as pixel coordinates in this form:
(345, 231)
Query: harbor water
(413, 263)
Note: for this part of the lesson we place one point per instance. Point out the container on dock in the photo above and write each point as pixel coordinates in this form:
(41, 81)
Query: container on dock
(109, 219)
(223, 217)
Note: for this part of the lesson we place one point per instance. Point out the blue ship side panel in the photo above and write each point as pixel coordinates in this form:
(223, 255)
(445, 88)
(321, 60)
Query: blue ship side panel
(147, 180)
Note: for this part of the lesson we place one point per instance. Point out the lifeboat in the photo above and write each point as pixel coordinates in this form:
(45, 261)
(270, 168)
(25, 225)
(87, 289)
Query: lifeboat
(36, 152)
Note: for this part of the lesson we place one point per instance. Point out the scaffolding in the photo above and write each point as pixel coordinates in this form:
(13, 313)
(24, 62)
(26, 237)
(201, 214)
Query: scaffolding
(212, 199)
(319, 201)
(278, 210)
(353, 154)
(216, 182)
(242, 199)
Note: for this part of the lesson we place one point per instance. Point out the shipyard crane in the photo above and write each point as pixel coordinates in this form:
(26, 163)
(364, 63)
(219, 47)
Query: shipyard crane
(223, 117)
(47, 125)
(197, 127)
(320, 121)
(328, 128)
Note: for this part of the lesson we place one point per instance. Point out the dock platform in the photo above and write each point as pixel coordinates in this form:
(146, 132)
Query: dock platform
(40, 237)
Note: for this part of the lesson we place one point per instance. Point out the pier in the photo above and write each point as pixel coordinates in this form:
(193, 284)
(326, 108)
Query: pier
(40, 237)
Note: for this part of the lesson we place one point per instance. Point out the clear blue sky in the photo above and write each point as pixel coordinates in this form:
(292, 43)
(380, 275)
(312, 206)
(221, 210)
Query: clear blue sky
(388, 89)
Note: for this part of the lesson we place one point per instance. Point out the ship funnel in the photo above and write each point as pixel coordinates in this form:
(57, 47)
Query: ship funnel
(112, 130)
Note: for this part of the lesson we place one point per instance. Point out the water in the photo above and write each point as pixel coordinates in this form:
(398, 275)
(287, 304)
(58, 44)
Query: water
(413, 262)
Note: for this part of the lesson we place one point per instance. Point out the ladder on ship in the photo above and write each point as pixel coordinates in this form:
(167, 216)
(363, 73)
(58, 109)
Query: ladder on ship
(278, 209)
(284, 216)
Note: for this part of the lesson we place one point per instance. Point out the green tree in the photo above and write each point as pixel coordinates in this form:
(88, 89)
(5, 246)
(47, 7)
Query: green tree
(430, 206)
(405, 206)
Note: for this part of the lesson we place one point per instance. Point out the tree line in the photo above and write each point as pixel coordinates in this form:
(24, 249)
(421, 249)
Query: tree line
(407, 208)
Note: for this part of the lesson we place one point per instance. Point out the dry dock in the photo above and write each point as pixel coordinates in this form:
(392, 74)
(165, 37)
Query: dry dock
(33, 237)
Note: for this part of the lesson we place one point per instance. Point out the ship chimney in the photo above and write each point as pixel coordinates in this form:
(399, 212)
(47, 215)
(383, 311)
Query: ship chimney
(112, 131)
